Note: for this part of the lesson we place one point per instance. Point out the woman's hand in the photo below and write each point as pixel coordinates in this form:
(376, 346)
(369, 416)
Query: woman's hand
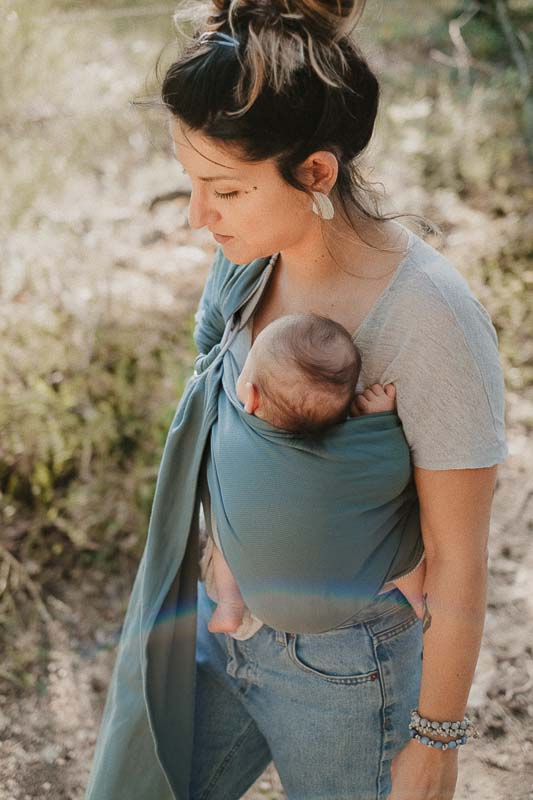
(421, 773)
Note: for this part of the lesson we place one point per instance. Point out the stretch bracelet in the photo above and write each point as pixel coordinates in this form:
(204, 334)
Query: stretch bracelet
(456, 729)
(435, 742)
(435, 729)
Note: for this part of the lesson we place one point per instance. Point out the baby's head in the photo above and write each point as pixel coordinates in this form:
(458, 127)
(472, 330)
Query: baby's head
(300, 374)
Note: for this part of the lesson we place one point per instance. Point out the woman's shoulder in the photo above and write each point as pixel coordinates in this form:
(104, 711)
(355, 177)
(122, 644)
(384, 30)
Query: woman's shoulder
(429, 290)
(436, 342)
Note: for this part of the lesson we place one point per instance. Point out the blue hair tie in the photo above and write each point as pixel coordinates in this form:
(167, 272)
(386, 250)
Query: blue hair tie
(218, 37)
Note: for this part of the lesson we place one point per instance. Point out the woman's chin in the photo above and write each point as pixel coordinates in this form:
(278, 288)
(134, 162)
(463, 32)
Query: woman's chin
(240, 252)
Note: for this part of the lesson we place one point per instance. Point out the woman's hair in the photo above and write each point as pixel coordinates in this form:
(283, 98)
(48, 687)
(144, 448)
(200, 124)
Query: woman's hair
(295, 83)
(306, 372)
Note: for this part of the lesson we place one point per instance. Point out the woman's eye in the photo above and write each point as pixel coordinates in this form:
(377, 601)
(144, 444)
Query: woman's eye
(227, 196)
(221, 195)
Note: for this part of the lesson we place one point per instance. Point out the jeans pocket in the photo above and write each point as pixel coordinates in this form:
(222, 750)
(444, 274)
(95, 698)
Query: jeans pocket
(388, 613)
(345, 656)
(393, 624)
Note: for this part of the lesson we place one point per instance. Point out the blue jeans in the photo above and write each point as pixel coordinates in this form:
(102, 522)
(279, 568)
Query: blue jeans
(330, 709)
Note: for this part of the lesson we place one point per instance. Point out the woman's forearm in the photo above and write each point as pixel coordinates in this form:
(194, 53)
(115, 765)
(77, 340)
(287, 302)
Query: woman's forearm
(454, 614)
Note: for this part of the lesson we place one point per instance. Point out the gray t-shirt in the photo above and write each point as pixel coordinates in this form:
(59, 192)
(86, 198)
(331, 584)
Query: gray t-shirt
(435, 341)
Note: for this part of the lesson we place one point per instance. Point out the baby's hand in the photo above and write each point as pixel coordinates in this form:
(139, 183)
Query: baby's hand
(374, 399)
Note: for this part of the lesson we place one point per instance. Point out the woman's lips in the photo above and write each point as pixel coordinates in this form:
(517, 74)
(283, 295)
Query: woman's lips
(221, 239)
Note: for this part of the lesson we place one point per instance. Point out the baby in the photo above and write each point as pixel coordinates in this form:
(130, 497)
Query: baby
(300, 375)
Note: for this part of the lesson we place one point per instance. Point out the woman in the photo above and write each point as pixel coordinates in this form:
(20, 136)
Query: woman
(269, 107)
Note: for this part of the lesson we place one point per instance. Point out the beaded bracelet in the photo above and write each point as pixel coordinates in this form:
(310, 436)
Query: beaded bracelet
(424, 726)
(435, 742)
(446, 729)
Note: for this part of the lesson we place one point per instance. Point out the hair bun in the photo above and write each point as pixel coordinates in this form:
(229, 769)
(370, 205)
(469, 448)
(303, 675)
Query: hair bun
(280, 38)
(323, 19)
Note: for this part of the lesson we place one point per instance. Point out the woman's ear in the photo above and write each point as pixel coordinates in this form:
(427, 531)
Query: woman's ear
(319, 171)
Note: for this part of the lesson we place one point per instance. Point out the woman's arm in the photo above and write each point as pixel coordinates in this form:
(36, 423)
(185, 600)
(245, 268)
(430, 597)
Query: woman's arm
(455, 508)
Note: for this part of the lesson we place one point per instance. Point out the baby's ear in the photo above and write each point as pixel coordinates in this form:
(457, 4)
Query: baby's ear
(250, 393)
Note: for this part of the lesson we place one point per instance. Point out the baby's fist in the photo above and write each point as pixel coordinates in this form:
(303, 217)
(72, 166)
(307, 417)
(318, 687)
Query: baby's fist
(377, 398)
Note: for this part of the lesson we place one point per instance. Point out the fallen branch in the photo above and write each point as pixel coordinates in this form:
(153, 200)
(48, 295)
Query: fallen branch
(168, 196)
(512, 38)
(464, 57)
(9, 676)
(25, 579)
(449, 61)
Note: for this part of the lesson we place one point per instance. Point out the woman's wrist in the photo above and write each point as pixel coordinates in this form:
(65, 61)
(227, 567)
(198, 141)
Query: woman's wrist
(433, 754)
(453, 725)
(440, 734)
(438, 737)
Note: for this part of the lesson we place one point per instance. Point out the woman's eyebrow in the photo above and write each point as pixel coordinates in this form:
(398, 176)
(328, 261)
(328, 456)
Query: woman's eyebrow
(214, 177)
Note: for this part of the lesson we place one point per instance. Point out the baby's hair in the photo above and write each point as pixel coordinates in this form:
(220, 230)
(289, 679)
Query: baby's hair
(294, 83)
(308, 368)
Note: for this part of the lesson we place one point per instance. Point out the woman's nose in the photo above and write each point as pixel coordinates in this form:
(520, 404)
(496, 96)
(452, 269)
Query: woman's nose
(200, 214)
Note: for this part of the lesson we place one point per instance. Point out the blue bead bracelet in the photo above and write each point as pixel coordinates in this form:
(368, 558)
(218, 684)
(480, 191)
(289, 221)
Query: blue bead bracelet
(435, 743)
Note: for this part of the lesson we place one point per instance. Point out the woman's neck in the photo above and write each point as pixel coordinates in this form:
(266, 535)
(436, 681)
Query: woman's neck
(313, 262)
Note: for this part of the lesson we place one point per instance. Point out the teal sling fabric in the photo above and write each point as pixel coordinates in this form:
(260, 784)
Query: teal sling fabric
(145, 739)
(311, 529)
(143, 750)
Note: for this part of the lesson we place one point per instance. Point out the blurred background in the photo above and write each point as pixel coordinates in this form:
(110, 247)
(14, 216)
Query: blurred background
(99, 280)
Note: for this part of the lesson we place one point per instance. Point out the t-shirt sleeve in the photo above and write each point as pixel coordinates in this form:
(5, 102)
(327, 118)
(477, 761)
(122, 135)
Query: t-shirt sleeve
(450, 387)
(208, 320)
